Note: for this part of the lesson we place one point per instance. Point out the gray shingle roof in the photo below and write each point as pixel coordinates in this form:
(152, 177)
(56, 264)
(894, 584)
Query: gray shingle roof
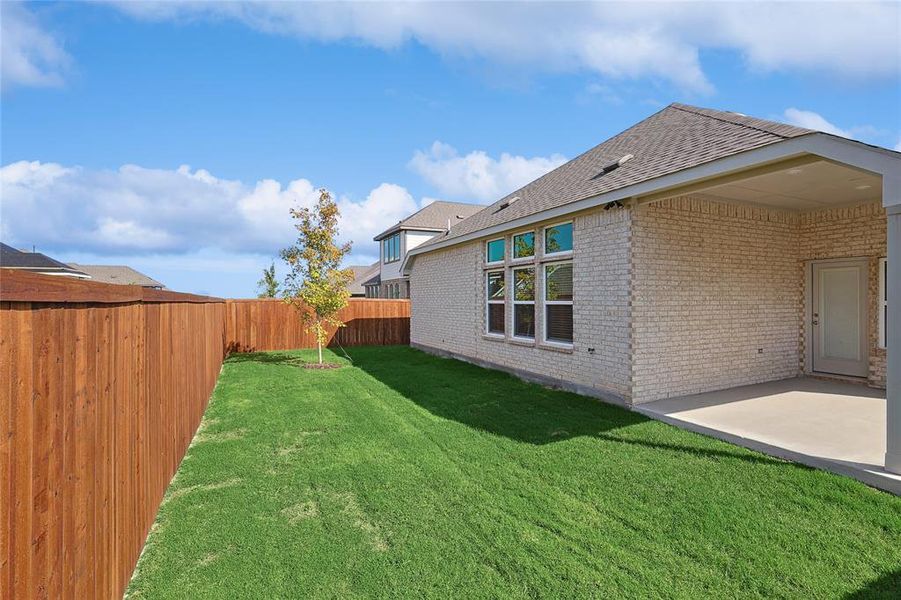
(434, 217)
(675, 138)
(362, 273)
(10, 258)
(119, 274)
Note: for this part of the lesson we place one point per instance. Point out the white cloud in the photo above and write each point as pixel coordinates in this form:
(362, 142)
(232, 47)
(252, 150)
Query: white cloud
(29, 56)
(140, 211)
(477, 176)
(618, 40)
(812, 120)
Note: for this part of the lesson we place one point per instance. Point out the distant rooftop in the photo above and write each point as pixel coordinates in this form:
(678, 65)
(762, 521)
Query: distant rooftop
(434, 217)
(35, 262)
(119, 274)
(362, 273)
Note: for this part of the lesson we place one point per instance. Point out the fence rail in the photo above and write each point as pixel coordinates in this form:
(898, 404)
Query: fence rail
(102, 388)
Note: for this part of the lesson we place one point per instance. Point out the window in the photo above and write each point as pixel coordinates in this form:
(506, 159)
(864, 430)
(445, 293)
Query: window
(524, 302)
(495, 251)
(558, 303)
(495, 295)
(524, 245)
(883, 303)
(391, 249)
(558, 239)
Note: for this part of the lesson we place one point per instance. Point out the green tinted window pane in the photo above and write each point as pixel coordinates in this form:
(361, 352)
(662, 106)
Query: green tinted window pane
(496, 251)
(496, 286)
(524, 245)
(558, 282)
(524, 284)
(558, 238)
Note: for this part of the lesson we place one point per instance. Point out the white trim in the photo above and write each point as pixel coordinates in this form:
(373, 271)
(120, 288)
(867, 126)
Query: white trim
(533, 302)
(882, 301)
(489, 302)
(545, 303)
(494, 262)
(561, 253)
(869, 158)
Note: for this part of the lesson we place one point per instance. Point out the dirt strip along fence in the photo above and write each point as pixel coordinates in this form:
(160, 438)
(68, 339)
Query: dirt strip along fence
(254, 325)
(102, 388)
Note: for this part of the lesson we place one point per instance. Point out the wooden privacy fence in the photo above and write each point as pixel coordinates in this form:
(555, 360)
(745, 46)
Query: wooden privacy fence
(254, 325)
(102, 388)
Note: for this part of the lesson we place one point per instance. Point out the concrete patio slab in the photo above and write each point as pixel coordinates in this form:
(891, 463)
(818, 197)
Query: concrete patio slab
(831, 425)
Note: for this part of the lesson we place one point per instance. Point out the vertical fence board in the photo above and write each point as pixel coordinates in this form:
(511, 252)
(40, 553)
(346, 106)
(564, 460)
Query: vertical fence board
(263, 324)
(103, 388)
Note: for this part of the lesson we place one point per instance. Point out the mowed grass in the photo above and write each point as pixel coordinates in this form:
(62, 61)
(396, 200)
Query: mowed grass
(407, 475)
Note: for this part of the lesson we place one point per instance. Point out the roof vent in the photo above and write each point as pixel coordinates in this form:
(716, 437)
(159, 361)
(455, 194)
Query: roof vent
(614, 165)
(507, 203)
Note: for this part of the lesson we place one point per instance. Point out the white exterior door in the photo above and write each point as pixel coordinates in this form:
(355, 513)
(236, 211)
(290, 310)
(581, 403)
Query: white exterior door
(839, 317)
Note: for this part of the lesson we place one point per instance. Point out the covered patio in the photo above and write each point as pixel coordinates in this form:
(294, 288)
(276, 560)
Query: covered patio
(764, 292)
(832, 425)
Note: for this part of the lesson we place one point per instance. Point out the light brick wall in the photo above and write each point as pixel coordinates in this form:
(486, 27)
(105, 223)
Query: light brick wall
(448, 313)
(715, 297)
(681, 296)
(849, 232)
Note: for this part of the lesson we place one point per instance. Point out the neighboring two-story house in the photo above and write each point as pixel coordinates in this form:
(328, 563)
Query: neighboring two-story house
(426, 223)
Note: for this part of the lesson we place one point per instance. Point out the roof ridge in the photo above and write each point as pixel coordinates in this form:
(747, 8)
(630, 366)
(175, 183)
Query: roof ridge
(447, 202)
(695, 110)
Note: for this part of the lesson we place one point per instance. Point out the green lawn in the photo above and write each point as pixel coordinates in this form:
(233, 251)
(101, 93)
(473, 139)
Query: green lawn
(410, 475)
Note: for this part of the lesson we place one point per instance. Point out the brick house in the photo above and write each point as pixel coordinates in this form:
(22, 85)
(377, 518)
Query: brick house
(698, 250)
(387, 281)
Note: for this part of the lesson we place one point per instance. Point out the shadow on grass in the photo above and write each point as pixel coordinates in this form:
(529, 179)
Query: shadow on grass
(268, 358)
(504, 405)
(887, 586)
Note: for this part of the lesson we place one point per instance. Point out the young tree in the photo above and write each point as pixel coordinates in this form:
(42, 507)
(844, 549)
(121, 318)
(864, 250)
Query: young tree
(267, 287)
(315, 284)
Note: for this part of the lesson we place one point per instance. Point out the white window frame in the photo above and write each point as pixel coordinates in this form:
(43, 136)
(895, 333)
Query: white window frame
(562, 253)
(533, 301)
(489, 302)
(882, 304)
(503, 258)
(546, 303)
(522, 259)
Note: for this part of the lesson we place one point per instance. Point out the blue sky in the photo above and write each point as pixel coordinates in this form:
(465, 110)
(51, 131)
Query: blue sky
(174, 138)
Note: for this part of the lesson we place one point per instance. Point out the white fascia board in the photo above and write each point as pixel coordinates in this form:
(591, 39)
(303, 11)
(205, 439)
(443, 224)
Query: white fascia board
(856, 154)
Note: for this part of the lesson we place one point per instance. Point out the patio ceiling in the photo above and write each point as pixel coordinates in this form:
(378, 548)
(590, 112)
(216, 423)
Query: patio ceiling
(800, 185)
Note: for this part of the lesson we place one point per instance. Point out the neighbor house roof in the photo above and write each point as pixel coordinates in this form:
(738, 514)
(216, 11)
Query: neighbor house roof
(10, 258)
(362, 273)
(673, 139)
(120, 274)
(433, 217)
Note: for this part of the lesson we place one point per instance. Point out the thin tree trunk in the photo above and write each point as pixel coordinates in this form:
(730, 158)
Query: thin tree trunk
(319, 345)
